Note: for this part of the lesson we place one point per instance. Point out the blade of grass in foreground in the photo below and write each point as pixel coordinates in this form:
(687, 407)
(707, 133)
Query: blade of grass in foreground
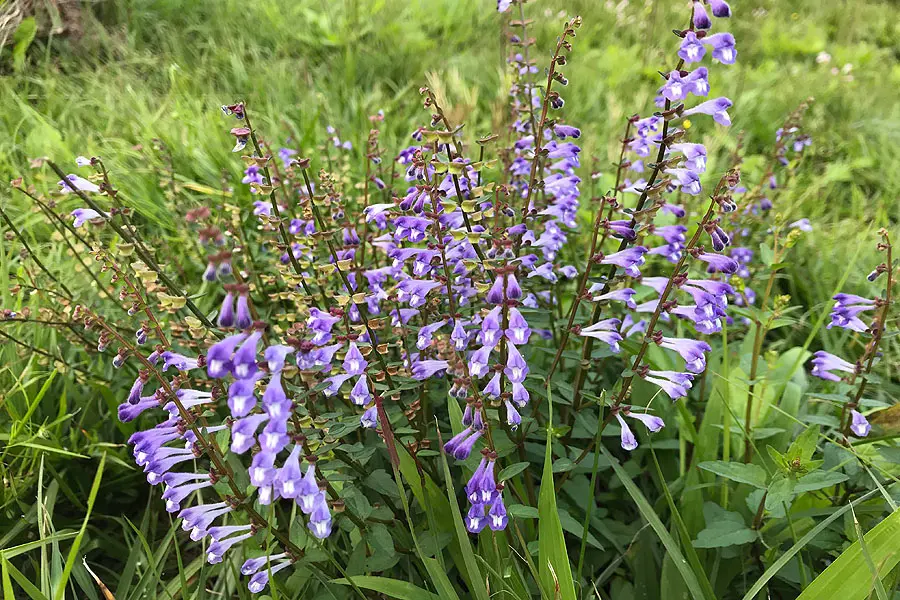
(392, 588)
(555, 571)
(76, 543)
(690, 579)
(822, 584)
(848, 577)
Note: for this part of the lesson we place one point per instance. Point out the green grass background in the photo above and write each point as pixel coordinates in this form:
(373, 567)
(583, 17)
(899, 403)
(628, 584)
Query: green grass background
(161, 68)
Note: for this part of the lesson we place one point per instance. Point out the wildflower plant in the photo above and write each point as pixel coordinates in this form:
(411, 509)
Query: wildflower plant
(350, 354)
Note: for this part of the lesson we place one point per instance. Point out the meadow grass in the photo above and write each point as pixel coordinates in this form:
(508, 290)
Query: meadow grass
(160, 69)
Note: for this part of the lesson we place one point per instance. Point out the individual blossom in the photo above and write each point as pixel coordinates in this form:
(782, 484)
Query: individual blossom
(859, 425)
(720, 8)
(718, 262)
(688, 180)
(629, 260)
(723, 49)
(717, 108)
(83, 215)
(700, 18)
(74, 182)
(620, 295)
(692, 49)
(694, 159)
(692, 351)
(825, 362)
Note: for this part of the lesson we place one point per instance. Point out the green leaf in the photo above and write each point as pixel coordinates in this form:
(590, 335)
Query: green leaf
(690, 579)
(554, 568)
(723, 528)
(736, 471)
(781, 490)
(848, 577)
(805, 444)
(392, 588)
(819, 480)
(511, 471)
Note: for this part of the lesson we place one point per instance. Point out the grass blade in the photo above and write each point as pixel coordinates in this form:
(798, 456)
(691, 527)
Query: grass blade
(392, 588)
(554, 567)
(76, 543)
(690, 579)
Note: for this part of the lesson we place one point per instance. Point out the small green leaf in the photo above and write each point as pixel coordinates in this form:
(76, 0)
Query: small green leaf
(723, 528)
(805, 445)
(817, 481)
(511, 471)
(736, 471)
(781, 490)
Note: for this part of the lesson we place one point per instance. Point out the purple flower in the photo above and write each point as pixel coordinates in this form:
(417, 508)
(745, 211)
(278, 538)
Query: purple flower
(354, 362)
(622, 295)
(243, 432)
(622, 229)
(723, 49)
(520, 395)
(243, 364)
(516, 367)
(79, 183)
(243, 319)
(676, 88)
(846, 309)
(218, 359)
(720, 8)
(226, 313)
(698, 82)
(692, 351)
(695, 160)
(497, 517)
(719, 263)
(673, 383)
(518, 331)
(859, 425)
(824, 362)
(628, 441)
(369, 419)
(717, 108)
(83, 215)
(700, 18)
(606, 331)
(802, 225)
(564, 131)
(423, 369)
(475, 519)
(478, 361)
(414, 291)
(285, 155)
(424, 337)
(692, 49)
(259, 581)
(688, 180)
(629, 260)
(320, 518)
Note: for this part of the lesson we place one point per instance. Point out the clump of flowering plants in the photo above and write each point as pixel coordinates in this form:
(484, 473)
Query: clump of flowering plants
(417, 360)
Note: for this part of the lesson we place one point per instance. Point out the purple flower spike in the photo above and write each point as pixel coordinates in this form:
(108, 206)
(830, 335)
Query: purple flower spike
(717, 108)
(846, 310)
(700, 18)
(720, 8)
(824, 362)
(692, 49)
(859, 425)
(628, 441)
(723, 49)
